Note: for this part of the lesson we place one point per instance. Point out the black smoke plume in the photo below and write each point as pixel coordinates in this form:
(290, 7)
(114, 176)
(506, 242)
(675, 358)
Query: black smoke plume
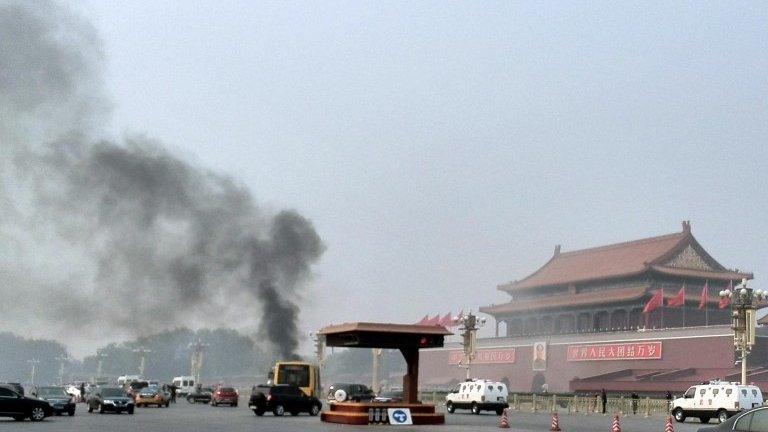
(124, 237)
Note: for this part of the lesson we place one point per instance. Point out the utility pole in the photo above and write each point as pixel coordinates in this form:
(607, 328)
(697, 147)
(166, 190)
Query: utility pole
(63, 360)
(198, 348)
(142, 359)
(34, 363)
(744, 304)
(101, 357)
(469, 325)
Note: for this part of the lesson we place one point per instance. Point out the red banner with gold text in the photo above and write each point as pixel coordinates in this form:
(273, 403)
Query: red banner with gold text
(487, 356)
(615, 351)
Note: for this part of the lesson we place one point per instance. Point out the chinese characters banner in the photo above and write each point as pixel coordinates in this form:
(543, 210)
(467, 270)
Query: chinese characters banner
(487, 356)
(615, 351)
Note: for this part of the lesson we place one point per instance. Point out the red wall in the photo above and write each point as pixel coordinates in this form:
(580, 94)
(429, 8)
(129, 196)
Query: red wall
(712, 353)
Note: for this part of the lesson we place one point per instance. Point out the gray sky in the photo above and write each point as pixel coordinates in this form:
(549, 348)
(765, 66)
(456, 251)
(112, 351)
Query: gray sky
(442, 148)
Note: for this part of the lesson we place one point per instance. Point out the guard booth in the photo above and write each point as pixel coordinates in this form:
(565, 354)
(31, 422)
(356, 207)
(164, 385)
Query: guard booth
(409, 339)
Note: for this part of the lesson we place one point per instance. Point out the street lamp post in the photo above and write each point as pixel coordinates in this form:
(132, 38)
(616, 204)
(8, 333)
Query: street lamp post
(744, 303)
(197, 358)
(469, 325)
(32, 373)
(62, 363)
(142, 359)
(101, 357)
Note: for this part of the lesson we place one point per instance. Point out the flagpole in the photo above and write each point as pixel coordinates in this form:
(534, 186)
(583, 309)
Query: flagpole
(662, 306)
(706, 304)
(684, 299)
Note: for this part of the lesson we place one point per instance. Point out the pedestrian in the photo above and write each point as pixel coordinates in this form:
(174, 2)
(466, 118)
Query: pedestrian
(669, 396)
(173, 393)
(82, 391)
(635, 399)
(604, 398)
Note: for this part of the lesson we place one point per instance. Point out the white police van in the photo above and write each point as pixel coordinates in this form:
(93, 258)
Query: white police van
(185, 384)
(717, 399)
(477, 396)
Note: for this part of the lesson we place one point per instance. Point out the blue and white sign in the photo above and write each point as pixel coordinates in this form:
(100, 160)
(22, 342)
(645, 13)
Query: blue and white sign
(399, 416)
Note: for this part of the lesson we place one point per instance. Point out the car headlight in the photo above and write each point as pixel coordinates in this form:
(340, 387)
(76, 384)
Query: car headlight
(109, 401)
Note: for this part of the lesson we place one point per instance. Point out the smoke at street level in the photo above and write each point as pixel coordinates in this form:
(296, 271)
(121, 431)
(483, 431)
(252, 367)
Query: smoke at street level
(100, 237)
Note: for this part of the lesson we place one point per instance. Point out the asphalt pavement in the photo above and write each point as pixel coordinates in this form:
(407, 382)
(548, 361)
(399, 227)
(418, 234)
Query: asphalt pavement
(184, 417)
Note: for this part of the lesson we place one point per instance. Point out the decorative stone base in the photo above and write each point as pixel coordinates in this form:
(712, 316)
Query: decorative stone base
(358, 413)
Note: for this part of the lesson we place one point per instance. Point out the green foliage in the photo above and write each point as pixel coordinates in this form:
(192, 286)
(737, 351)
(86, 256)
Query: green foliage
(228, 353)
(15, 351)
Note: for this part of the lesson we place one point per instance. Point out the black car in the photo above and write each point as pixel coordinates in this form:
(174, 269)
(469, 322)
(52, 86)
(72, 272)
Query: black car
(340, 392)
(112, 399)
(58, 398)
(281, 398)
(17, 387)
(13, 404)
(200, 394)
(754, 420)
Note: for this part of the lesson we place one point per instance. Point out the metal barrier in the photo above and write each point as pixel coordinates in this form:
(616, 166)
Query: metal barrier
(571, 404)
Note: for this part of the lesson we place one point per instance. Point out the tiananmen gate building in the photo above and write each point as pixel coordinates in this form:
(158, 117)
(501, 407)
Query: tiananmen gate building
(578, 324)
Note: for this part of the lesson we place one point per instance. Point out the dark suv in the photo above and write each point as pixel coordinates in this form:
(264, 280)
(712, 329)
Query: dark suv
(19, 407)
(341, 392)
(110, 399)
(281, 398)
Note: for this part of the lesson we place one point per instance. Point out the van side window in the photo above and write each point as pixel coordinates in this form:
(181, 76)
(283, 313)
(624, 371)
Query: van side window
(463, 388)
(728, 392)
(754, 392)
(715, 392)
(743, 392)
(702, 391)
(500, 388)
(691, 392)
(490, 388)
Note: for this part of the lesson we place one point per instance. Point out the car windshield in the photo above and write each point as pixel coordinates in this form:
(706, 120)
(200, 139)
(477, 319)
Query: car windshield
(51, 391)
(112, 392)
(150, 389)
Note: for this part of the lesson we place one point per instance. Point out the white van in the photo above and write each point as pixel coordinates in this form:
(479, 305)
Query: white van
(718, 399)
(185, 384)
(478, 395)
(127, 379)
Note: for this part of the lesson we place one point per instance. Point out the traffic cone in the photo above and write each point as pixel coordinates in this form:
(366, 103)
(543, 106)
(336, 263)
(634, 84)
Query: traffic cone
(555, 423)
(504, 422)
(616, 425)
(668, 425)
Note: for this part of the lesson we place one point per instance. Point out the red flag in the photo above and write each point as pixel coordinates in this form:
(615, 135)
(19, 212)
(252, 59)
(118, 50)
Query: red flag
(704, 296)
(656, 301)
(423, 320)
(725, 300)
(433, 321)
(446, 320)
(678, 299)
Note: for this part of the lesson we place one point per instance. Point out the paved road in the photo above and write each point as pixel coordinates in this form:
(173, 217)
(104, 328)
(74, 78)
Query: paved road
(184, 417)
